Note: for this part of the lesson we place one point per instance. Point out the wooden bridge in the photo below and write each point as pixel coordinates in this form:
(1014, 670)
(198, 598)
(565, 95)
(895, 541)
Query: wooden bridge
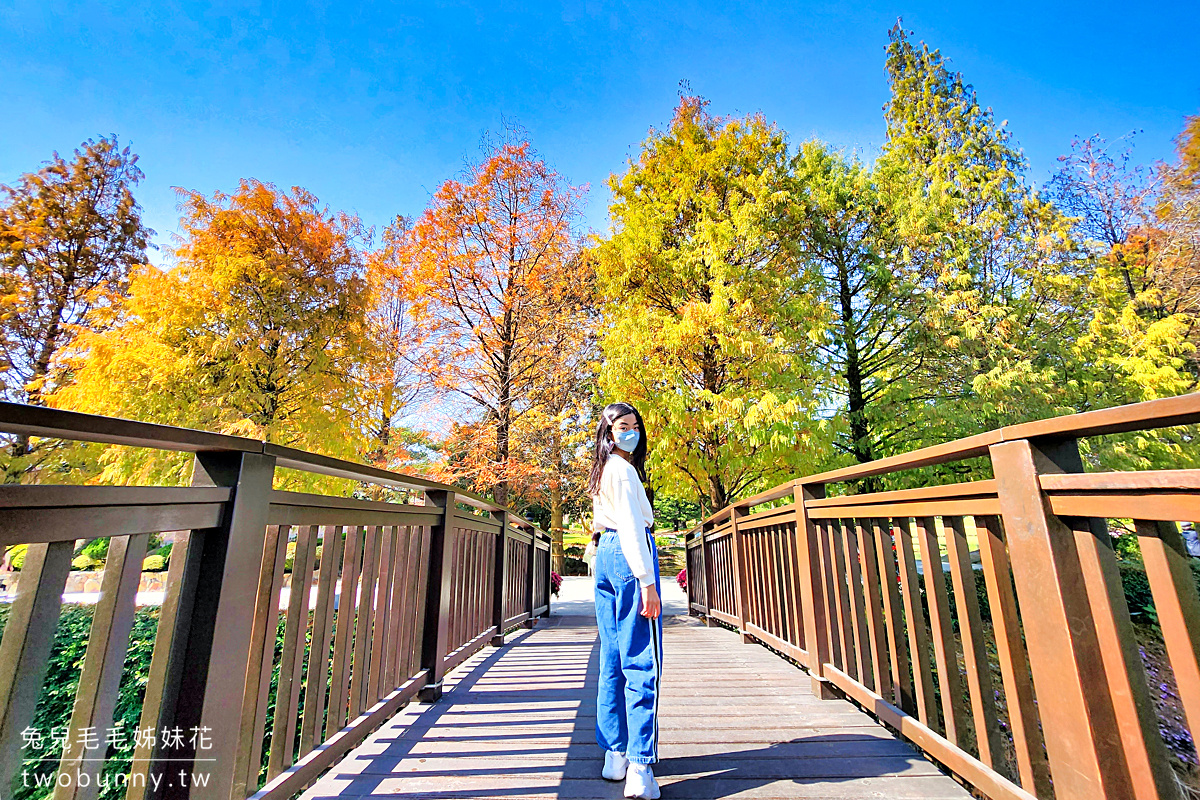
(869, 673)
(736, 722)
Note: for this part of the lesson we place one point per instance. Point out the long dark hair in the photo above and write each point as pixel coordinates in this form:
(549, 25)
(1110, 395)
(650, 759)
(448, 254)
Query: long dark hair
(605, 444)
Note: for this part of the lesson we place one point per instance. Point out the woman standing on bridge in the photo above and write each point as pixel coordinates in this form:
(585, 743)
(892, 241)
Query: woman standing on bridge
(627, 603)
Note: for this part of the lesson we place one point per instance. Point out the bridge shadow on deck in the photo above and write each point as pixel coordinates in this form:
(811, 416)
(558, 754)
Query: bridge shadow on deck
(736, 721)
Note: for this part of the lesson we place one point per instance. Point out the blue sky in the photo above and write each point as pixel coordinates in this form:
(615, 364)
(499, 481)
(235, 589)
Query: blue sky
(372, 106)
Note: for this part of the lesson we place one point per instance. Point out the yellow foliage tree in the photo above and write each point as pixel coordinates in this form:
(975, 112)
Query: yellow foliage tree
(257, 330)
(710, 317)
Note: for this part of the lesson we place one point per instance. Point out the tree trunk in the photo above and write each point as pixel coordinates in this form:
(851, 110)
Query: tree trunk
(504, 413)
(1125, 274)
(378, 456)
(41, 365)
(860, 432)
(716, 493)
(14, 467)
(502, 428)
(557, 556)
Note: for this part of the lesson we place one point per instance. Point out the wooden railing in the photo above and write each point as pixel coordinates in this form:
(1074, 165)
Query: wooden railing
(401, 594)
(875, 595)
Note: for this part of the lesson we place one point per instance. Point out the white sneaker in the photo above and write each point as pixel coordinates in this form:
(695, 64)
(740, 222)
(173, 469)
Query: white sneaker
(640, 783)
(615, 765)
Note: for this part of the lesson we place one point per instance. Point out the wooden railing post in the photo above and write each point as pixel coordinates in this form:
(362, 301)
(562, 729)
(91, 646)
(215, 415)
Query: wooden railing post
(708, 584)
(697, 588)
(741, 573)
(1083, 741)
(436, 633)
(547, 582)
(687, 566)
(705, 581)
(499, 576)
(28, 638)
(212, 632)
(1145, 754)
(812, 598)
(530, 578)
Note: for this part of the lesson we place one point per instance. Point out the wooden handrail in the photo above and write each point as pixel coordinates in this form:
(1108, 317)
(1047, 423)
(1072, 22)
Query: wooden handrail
(53, 423)
(1148, 415)
(404, 592)
(855, 589)
(958, 450)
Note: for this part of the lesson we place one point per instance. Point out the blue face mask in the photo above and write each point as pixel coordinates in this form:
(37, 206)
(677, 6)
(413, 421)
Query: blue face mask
(628, 440)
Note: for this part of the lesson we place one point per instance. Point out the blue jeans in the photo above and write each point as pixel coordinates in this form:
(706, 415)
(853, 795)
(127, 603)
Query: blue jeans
(630, 656)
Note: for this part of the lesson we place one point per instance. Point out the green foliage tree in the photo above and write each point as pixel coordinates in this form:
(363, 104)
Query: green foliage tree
(70, 234)
(997, 261)
(873, 354)
(709, 317)
(1139, 343)
(674, 514)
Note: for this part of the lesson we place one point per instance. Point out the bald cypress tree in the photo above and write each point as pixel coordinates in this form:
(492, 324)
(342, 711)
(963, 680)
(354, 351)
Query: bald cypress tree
(70, 234)
(1004, 276)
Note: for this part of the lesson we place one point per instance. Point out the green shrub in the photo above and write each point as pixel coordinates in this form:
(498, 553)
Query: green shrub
(62, 680)
(154, 563)
(17, 555)
(1127, 548)
(1137, 589)
(96, 549)
(574, 566)
(58, 694)
(91, 555)
(85, 562)
(289, 560)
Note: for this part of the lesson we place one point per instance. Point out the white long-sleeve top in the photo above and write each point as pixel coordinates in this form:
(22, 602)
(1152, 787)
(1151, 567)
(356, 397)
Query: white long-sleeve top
(623, 506)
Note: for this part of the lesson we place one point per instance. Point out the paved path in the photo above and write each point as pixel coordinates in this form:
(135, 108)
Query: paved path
(576, 598)
(736, 721)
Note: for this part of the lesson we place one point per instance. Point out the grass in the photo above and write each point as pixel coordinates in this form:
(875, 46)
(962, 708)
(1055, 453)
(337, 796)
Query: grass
(670, 559)
(576, 536)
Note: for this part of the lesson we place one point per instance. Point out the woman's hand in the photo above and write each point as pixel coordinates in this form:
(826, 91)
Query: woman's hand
(651, 605)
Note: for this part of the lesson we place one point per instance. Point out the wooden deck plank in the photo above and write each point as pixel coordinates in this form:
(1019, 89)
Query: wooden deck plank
(735, 721)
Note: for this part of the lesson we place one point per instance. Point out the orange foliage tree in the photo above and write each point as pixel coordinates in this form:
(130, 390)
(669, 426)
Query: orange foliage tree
(493, 272)
(552, 438)
(551, 441)
(70, 234)
(391, 378)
